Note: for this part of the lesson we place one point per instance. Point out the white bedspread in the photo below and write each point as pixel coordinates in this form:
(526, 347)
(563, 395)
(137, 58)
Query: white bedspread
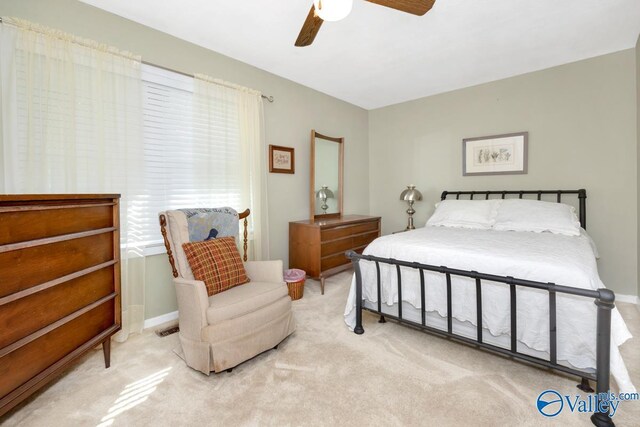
(544, 257)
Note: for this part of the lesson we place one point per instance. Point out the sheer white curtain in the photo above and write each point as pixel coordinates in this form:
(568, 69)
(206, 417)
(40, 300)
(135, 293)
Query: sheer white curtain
(71, 123)
(232, 116)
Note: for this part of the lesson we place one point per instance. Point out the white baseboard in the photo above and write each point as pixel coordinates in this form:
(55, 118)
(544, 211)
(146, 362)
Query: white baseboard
(631, 299)
(159, 320)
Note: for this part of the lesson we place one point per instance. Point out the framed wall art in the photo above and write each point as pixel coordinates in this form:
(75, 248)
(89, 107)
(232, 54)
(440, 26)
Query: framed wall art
(281, 159)
(495, 155)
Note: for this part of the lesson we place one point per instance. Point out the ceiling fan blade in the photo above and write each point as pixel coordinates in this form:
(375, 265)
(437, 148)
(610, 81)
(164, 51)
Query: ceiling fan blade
(309, 29)
(415, 7)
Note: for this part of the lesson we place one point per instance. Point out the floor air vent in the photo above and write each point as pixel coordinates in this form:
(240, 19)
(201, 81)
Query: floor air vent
(167, 331)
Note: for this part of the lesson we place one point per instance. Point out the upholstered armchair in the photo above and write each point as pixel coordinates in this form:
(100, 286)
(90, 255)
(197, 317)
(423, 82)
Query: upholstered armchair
(221, 331)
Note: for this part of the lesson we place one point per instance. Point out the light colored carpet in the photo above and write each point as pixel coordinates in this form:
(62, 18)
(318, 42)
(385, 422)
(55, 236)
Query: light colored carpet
(321, 375)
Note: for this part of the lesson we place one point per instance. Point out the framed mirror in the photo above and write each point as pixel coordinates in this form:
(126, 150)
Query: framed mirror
(327, 161)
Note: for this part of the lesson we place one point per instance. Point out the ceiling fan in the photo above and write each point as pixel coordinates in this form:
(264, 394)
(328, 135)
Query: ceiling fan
(335, 10)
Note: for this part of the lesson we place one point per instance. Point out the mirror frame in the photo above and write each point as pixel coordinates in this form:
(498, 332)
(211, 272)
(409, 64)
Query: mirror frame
(312, 192)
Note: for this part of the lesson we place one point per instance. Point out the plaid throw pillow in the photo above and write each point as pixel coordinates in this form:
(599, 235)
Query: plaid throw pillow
(217, 263)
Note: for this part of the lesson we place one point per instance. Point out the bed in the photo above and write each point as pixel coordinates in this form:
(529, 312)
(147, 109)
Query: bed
(479, 285)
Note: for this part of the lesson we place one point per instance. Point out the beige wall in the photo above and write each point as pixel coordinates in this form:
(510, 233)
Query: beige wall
(289, 120)
(581, 120)
(638, 146)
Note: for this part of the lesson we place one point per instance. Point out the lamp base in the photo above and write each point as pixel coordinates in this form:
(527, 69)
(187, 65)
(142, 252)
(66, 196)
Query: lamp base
(410, 212)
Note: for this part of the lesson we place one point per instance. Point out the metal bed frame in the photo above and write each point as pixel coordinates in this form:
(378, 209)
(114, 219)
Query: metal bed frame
(603, 298)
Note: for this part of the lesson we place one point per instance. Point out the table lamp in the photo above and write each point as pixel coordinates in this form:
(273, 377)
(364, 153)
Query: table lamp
(410, 195)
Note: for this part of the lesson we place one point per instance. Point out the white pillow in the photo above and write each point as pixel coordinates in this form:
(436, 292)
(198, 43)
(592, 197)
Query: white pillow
(479, 214)
(537, 216)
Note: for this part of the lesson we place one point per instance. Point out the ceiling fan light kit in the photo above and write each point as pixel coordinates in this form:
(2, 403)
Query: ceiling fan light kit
(335, 10)
(332, 10)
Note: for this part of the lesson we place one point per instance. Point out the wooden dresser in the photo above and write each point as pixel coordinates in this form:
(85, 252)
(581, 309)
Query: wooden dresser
(59, 286)
(318, 247)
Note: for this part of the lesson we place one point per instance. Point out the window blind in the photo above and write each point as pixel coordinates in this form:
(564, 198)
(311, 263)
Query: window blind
(190, 159)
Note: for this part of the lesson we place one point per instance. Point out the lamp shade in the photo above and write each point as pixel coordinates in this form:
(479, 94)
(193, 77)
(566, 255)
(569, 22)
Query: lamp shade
(324, 193)
(333, 10)
(411, 194)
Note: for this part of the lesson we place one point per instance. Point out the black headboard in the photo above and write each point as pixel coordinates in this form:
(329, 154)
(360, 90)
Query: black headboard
(582, 197)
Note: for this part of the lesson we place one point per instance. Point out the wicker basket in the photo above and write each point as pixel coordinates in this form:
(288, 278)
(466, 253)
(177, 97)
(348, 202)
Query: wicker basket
(296, 289)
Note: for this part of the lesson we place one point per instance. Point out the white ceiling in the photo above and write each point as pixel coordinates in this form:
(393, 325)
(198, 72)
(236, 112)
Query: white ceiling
(378, 56)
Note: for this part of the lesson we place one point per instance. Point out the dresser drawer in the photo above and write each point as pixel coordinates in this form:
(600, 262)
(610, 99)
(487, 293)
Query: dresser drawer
(343, 245)
(41, 222)
(364, 239)
(26, 315)
(31, 266)
(25, 362)
(348, 230)
(336, 260)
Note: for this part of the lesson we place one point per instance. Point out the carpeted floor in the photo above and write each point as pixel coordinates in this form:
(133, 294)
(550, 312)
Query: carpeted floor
(321, 375)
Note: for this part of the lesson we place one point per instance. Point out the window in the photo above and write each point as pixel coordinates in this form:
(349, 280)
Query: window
(141, 132)
(189, 160)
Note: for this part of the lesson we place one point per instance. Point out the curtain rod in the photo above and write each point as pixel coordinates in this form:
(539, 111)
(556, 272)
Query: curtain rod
(267, 97)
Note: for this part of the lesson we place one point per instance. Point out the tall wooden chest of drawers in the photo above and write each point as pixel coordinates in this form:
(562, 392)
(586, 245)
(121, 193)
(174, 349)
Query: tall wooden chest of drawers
(59, 286)
(318, 247)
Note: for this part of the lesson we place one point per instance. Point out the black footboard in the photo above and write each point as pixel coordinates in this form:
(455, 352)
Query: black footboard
(603, 298)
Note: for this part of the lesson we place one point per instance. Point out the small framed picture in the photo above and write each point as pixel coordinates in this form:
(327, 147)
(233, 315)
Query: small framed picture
(281, 159)
(495, 155)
